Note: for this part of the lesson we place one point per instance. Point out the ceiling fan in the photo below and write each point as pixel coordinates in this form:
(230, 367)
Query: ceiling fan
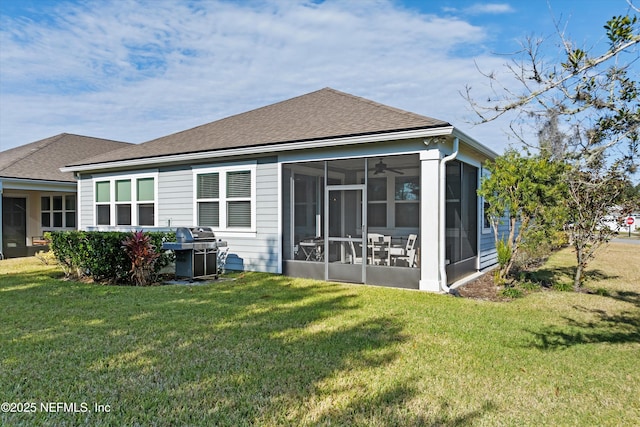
(381, 167)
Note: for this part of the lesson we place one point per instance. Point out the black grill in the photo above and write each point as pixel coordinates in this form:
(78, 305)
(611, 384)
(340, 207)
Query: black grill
(196, 250)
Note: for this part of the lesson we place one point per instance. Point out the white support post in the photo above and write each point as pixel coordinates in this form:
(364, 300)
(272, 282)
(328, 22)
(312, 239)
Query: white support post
(429, 220)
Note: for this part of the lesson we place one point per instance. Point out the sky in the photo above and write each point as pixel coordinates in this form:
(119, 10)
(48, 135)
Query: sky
(136, 70)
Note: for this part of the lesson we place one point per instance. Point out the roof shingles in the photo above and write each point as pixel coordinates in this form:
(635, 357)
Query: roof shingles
(42, 160)
(323, 114)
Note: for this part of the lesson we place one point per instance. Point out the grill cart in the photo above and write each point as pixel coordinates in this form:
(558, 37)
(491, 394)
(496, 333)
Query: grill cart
(196, 250)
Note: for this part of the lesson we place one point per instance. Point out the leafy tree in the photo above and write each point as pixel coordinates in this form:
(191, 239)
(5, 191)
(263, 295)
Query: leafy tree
(587, 110)
(529, 192)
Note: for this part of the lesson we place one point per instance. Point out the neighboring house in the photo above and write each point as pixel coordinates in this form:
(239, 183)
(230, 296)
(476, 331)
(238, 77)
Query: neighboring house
(36, 195)
(300, 187)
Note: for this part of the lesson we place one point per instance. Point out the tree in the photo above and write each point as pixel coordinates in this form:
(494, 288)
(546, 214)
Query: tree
(529, 192)
(587, 110)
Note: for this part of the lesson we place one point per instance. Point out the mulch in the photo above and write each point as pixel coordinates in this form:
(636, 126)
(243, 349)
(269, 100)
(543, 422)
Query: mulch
(482, 288)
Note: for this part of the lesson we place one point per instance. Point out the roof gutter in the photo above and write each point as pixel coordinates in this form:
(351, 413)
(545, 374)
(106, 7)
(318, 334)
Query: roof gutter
(264, 149)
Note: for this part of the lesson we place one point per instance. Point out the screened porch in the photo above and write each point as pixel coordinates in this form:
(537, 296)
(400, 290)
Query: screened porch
(354, 220)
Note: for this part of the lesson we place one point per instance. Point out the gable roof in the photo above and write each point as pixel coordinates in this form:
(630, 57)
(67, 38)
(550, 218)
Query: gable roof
(323, 114)
(42, 160)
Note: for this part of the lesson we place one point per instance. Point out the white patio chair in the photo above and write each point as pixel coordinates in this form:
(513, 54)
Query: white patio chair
(409, 251)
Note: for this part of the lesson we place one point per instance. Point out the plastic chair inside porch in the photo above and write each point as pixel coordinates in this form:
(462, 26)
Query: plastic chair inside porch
(409, 251)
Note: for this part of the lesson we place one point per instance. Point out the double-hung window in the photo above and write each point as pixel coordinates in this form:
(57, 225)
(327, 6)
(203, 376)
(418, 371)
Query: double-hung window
(126, 200)
(225, 197)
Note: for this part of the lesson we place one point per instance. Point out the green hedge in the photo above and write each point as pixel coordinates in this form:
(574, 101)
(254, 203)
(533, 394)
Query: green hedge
(100, 255)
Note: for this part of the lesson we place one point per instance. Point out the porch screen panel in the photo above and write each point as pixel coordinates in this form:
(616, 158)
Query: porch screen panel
(469, 246)
(461, 211)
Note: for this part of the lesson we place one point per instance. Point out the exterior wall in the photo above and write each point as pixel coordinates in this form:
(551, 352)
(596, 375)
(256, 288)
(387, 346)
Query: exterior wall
(175, 197)
(261, 249)
(85, 202)
(252, 251)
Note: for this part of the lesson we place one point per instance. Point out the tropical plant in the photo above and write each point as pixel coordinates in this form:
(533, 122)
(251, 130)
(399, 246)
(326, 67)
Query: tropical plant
(143, 256)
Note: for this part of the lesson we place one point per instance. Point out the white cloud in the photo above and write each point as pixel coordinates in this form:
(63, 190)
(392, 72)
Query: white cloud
(127, 71)
(489, 8)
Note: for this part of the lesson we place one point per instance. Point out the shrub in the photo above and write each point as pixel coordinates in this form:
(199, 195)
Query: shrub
(46, 257)
(100, 255)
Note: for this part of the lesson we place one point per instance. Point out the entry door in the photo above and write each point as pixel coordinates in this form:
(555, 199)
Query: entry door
(14, 226)
(345, 222)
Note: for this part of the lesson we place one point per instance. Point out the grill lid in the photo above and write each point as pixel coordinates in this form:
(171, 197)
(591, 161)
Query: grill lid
(195, 234)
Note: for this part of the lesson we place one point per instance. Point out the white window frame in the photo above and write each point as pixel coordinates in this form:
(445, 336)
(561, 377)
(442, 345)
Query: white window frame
(133, 178)
(222, 199)
(64, 211)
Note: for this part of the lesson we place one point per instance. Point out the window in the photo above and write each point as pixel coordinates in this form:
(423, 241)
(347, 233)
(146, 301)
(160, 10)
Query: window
(123, 202)
(126, 201)
(377, 202)
(407, 201)
(208, 195)
(58, 211)
(225, 198)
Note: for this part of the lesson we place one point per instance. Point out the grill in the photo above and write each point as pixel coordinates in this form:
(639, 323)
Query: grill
(196, 250)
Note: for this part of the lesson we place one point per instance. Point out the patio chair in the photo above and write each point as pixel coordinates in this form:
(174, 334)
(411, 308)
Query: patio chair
(409, 251)
(355, 259)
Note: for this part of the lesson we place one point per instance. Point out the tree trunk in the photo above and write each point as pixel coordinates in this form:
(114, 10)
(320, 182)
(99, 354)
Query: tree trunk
(577, 279)
(580, 258)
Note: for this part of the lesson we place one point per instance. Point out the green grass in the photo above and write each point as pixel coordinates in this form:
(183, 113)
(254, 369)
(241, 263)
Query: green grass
(271, 350)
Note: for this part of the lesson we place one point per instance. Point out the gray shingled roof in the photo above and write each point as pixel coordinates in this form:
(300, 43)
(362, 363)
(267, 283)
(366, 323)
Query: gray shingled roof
(326, 113)
(43, 159)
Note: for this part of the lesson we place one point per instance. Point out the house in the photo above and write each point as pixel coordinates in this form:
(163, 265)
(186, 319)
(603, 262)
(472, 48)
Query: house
(326, 185)
(36, 195)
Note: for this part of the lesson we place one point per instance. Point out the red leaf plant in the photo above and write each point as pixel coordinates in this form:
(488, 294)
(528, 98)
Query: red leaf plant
(143, 256)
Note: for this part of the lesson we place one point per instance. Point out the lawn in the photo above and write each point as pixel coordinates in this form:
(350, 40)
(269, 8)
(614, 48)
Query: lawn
(271, 350)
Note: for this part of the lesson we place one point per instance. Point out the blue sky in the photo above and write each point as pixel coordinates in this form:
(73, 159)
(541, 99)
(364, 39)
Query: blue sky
(134, 70)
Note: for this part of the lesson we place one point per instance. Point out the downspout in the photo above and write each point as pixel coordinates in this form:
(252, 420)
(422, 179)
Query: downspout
(442, 215)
